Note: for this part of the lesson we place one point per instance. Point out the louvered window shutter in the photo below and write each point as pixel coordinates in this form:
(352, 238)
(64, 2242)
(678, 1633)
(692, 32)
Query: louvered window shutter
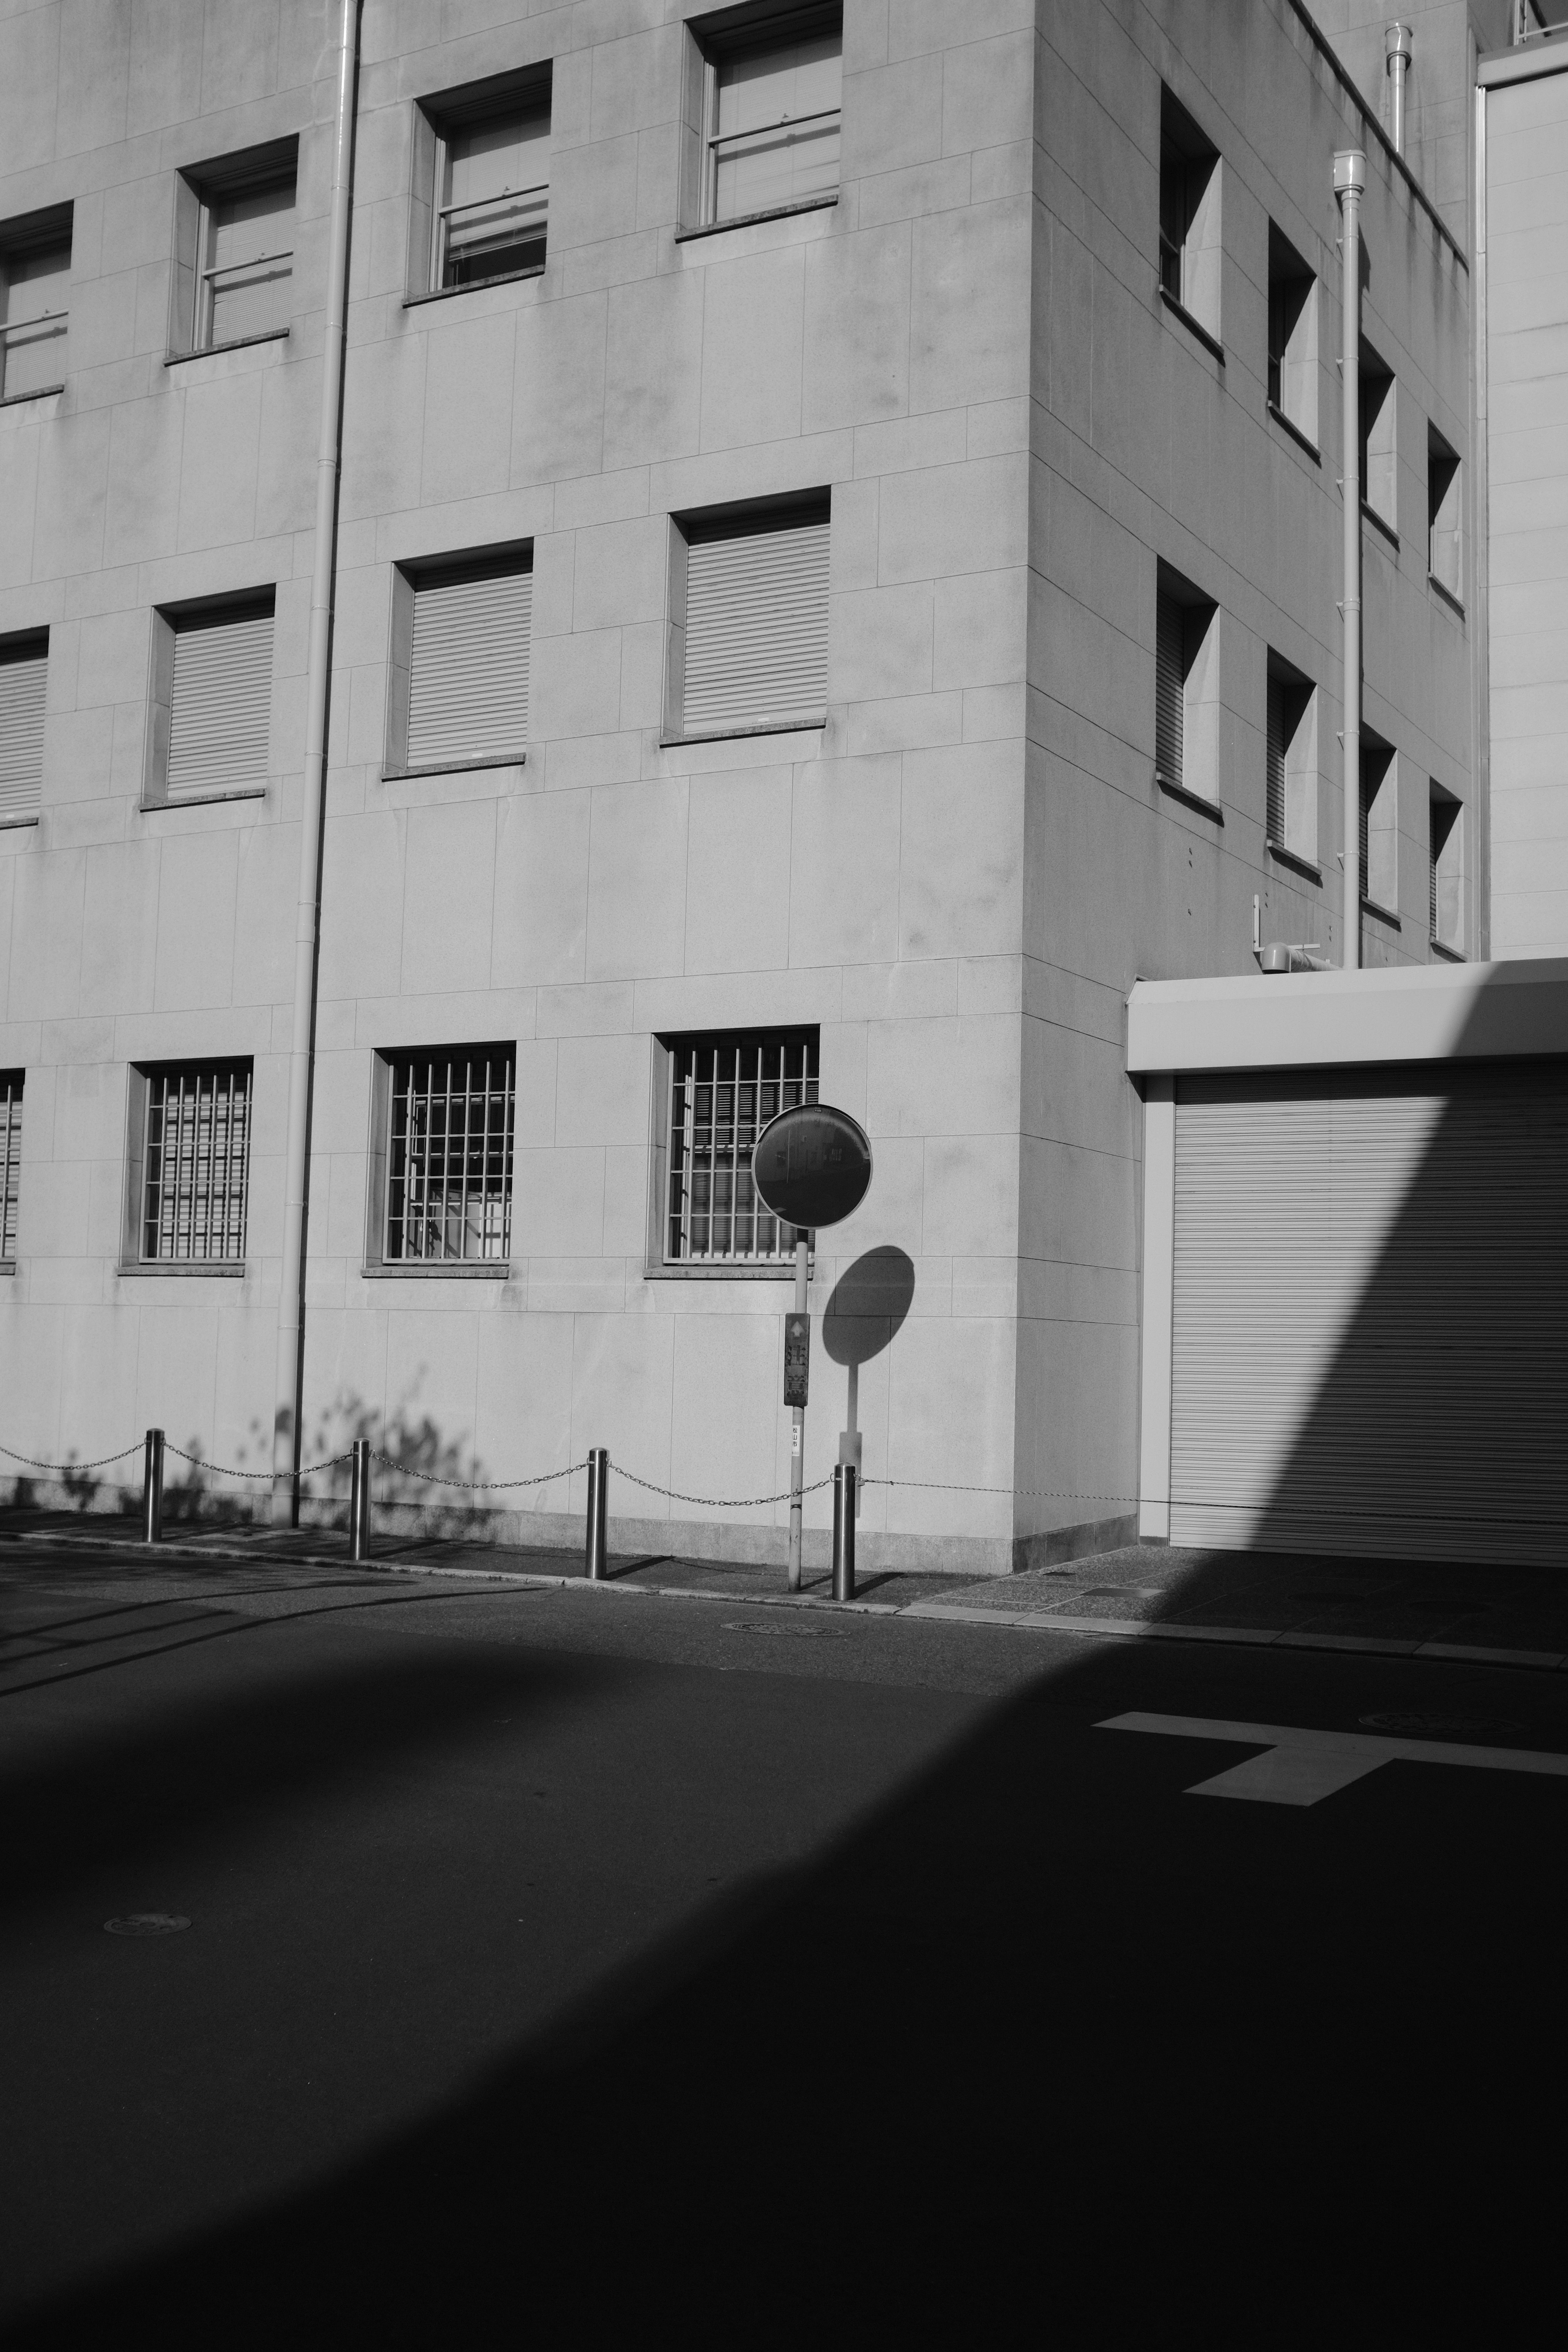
(24, 676)
(467, 687)
(220, 707)
(756, 627)
(1168, 680)
(1275, 825)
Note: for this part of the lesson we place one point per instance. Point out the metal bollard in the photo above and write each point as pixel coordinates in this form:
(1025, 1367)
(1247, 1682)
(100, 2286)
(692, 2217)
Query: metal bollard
(358, 1502)
(845, 1479)
(152, 1489)
(598, 1486)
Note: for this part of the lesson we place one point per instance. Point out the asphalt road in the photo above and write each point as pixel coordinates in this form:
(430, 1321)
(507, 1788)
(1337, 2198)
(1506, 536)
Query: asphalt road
(568, 1962)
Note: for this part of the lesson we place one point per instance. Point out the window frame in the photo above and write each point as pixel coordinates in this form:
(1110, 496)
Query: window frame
(1200, 660)
(12, 1094)
(48, 231)
(20, 646)
(1297, 841)
(736, 518)
(1379, 827)
(658, 1265)
(407, 578)
(1378, 460)
(710, 40)
(1291, 384)
(1445, 517)
(1446, 872)
(141, 1077)
(527, 89)
(377, 1265)
(1190, 267)
(236, 605)
(198, 189)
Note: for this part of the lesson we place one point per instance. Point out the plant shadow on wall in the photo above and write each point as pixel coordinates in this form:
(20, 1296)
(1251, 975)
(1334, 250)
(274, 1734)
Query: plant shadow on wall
(864, 1314)
(1400, 1414)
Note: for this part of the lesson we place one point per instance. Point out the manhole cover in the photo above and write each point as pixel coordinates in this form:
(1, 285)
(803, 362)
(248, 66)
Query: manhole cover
(1439, 1726)
(791, 1632)
(146, 1923)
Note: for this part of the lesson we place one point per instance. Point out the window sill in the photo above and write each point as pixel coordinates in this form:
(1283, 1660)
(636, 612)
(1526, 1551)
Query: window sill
(1380, 522)
(454, 767)
(1439, 589)
(1297, 862)
(489, 1269)
(15, 823)
(1199, 801)
(202, 800)
(475, 285)
(180, 1269)
(1195, 326)
(781, 1272)
(20, 399)
(735, 734)
(240, 343)
(1440, 948)
(746, 220)
(1383, 914)
(1311, 448)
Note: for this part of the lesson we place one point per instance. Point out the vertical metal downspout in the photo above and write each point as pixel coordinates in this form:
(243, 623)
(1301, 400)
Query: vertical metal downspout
(306, 931)
(1479, 848)
(1350, 179)
(1397, 43)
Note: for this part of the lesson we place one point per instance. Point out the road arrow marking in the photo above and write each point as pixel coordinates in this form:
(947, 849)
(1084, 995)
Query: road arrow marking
(1302, 1768)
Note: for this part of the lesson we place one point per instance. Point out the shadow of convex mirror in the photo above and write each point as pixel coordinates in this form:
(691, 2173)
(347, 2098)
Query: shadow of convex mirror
(869, 1304)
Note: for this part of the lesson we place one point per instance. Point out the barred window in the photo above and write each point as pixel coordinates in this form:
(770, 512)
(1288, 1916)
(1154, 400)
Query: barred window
(448, 1155)
(194, 1162)
(10, 1160)
(723, 1090)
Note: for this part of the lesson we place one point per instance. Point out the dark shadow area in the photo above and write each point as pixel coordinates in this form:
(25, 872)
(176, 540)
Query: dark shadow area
(1044, 2037)
(867, 1305)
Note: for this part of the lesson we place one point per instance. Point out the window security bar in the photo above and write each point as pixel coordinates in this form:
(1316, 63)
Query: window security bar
(21, 331)
(10, 1159)
(792, 123)
(489, 225)
(722, 1094)
(196, 1158)
(448, 1194)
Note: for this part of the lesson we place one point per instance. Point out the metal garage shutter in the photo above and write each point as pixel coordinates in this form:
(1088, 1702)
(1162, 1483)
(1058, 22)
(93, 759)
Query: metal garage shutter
(24, 680)
(1370, 1305)
(756, 627)
(220, 706)
(467, 687)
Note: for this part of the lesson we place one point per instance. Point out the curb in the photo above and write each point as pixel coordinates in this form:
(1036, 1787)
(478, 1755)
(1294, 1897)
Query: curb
(951, 1612)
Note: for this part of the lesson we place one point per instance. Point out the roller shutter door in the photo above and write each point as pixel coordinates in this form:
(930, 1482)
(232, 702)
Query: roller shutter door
(756, 627)
(1370, 1313)
(220, 705)
(467, 687)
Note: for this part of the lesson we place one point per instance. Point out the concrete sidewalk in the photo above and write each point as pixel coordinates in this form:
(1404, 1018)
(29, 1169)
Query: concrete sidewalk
(1154, 1591)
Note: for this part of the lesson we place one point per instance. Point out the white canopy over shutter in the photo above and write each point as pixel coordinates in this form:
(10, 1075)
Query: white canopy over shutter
(467, 688)
(1370, 1298)
(756, 627)
(221, 702)
(24, 679)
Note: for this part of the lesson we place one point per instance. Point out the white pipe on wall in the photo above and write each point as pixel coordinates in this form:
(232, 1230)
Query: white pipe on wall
(308, 922)
(1399, 42)
(1350, 179)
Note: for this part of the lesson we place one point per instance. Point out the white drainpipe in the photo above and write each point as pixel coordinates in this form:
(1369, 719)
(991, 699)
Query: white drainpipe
(1350, 179)
(308, 924)
(1398, 42)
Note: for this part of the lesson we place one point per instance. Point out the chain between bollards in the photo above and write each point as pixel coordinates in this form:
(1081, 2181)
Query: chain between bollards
(152, 1489)
(844, 1479)
(359, 1501)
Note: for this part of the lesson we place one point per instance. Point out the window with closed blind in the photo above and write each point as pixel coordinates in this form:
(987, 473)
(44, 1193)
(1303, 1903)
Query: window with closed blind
(749, 604)
(1290, 761)
(212, 701)
(189, 1154)
(35, 296)
(11, 1084)
(233, 265)
(458, 695)
(24, 683)
(481, 174)
(720, 1091)
(1186, 690)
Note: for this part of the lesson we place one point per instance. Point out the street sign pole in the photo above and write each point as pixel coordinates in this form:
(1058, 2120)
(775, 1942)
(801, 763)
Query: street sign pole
(797, 1429)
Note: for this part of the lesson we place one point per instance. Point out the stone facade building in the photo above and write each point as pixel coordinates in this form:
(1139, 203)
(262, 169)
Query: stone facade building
(837, 577)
